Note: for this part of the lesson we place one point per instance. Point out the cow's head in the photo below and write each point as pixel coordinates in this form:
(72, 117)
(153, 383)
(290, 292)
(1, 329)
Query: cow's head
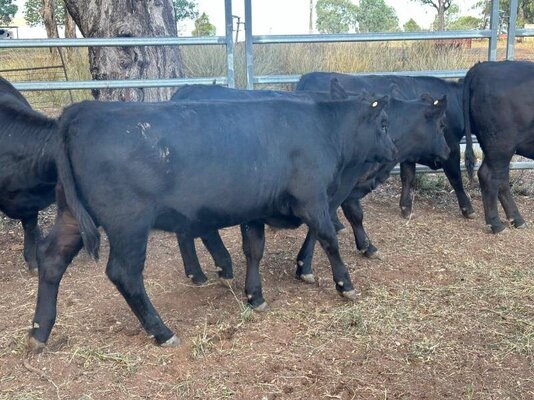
(420, 128)
(370, 137)
(381, 147)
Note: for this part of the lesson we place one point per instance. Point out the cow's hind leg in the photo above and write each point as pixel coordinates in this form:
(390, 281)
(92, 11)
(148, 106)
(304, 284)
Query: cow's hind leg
(220, 255)
(451, 167)
(32, 234)
(253, 234)
(354, 213)
(489, 185)
(507, 201)
(54, 254)
(192, 268)
(125, 269)
(407, 173)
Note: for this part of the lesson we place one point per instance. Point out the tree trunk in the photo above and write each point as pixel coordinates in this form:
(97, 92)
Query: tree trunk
(49, 18)
(441, 16)
(70, 26)
(129, 18)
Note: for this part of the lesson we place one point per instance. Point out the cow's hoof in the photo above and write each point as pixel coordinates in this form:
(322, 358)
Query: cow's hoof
(406, 214)
(198, 280)
(174, 341)
(33, 270)
(372, 255)
(471, 215)
(33, 345)
(307, 278)
(495, 229)
(519, 224)
(262, 307)
(350, 294)
(227, 283)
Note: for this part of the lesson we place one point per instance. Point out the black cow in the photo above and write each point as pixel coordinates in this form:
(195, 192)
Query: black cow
(27, 170)
(411, 88)
(499, 110)
(195, 168)
(418, 127)
(417, 131)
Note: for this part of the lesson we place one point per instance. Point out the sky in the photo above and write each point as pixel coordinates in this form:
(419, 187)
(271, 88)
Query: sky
(278, 16)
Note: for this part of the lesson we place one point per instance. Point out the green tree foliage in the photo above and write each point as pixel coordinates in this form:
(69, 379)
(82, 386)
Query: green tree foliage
(185, 9)
(377, 16)
(335, 16)
(7, 11)
(525, 11)
(464, 23)
(411, 26)
(33, 16)
(203, 26)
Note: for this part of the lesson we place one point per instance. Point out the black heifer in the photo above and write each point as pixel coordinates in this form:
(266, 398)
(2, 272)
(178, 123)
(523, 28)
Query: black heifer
(195, 168)
(411, 88)
(499, 110)
(27, 170)
(418, 127)
(417, 130)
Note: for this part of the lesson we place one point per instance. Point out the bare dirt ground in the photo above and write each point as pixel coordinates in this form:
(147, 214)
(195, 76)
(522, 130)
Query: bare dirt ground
(447, 313)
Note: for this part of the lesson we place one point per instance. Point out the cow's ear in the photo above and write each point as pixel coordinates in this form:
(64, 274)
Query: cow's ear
(336, 90)
(437, 107)
(426, 98)
(395, 92)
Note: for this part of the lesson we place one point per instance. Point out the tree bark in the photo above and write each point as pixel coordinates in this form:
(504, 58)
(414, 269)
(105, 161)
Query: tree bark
(441, 16)
(129, 18)
(49, 18)
(70, 25)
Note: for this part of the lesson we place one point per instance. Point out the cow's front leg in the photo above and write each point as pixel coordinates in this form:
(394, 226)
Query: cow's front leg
(253, 234)
(192, 268)
(32, 234)
(407, 173)
(317, 217)
(304, 270)
(354, 213)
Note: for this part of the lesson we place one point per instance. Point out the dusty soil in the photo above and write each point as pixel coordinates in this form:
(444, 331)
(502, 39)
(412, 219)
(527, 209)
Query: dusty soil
(446, 313)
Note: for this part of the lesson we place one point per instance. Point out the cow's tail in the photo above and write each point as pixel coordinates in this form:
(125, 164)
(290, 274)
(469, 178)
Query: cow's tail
(88, 229)
(470, 157)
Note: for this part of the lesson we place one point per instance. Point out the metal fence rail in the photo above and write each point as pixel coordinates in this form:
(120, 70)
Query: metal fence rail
(226, 40)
